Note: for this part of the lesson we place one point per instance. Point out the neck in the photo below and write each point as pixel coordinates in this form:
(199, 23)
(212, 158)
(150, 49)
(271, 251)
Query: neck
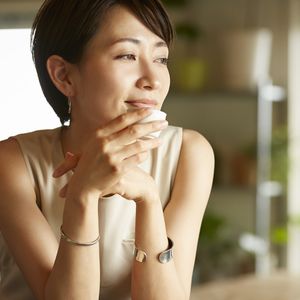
(74, 138)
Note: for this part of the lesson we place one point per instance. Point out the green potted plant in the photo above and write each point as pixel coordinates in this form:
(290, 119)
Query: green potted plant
(189, 68)
(218, 245)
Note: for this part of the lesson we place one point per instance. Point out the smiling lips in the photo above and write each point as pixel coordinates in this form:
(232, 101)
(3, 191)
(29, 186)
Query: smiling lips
(142, 103)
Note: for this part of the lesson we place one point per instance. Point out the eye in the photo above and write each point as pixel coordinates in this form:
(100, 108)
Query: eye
(163, 60)
(126, 57)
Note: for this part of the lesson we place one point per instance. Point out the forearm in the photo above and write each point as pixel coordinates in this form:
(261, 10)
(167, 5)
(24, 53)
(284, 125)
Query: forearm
(152, 279)
(76, 272)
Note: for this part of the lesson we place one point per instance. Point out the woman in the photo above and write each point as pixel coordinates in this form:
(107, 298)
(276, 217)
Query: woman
(95, 210)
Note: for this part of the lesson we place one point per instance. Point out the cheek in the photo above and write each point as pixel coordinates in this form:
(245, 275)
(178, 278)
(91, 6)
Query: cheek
(106, 90)
(115, 78)
(168, 80)
(101, 83)
(166, 83)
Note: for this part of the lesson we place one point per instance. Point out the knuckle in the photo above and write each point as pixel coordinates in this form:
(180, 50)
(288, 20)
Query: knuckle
(100, 133)
(134, 130)
(103, 144)
(116, 169)
(114, 165)
(110, 159)
(123, 118)
(141, 156)
(140, 145)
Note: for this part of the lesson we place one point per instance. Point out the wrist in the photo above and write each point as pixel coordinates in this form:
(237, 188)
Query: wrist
(82, 197)
(82, 204)
(80, 193)
(150, 201)
(80, 218)
(149, 196)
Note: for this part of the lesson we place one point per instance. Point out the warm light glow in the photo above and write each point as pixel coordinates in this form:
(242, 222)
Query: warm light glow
(23, 105)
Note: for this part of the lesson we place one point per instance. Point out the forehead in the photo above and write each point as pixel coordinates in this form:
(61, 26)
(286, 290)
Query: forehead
(119, 22)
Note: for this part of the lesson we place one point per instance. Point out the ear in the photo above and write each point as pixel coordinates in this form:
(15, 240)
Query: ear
(59, 72)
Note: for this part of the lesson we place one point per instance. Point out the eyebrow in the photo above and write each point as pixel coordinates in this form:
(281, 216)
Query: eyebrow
(137, 42)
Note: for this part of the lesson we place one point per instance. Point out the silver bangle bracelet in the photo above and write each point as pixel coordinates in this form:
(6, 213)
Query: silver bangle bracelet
(162, 257)
(64, 237)
(166, 255)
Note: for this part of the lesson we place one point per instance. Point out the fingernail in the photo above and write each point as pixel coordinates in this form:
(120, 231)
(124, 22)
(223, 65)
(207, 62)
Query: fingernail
(69, 155)
(56, 173)
(62, 194)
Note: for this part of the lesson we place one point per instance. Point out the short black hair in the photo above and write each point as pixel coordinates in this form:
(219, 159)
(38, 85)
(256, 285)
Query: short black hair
(64, 28)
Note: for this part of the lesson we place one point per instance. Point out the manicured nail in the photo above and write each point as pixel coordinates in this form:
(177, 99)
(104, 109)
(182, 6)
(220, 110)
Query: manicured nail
(69, 155)
(55, 173)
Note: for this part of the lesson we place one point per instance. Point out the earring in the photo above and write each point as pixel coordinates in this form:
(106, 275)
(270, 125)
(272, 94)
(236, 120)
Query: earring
(69, 106)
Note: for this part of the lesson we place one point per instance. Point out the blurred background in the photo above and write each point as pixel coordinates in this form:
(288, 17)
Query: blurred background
(235, 69)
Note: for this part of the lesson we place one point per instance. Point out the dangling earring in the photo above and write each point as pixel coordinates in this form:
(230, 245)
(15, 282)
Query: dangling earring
(69, 106)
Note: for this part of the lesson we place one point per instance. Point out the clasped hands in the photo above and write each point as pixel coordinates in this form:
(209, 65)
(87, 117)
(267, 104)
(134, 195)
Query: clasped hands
(108, 163)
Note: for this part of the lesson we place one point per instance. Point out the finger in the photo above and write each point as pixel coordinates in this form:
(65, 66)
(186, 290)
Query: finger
(136, 131)
(63, 191)
(124, 121)
(138, 147)
(70, 162)
(65, 166)
(114, 189)
(136, 159)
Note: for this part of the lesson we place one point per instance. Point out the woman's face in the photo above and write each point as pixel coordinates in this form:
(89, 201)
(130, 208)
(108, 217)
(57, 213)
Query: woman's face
(124, 67)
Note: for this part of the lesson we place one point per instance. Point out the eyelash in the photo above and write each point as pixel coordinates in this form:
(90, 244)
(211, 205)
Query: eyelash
(162, 60)
(126, 57)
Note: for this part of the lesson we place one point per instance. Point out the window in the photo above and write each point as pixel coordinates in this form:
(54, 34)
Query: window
(23, 106)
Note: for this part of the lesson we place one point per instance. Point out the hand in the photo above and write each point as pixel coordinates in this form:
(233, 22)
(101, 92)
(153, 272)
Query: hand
(136, 185)
(110, 153)
(69, 164)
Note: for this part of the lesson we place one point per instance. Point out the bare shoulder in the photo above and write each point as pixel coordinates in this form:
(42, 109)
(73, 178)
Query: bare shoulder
(8, 144)
(10, 155)
(15, 183)
(21, 220)
(196, 146)
(195, 171)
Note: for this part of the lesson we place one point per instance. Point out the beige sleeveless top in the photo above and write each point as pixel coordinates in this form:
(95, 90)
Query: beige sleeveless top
(42, 153)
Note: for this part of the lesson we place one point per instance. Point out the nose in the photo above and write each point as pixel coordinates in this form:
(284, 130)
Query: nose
(148, 79)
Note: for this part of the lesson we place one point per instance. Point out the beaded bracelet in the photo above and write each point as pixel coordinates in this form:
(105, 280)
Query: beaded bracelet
(76, 243)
